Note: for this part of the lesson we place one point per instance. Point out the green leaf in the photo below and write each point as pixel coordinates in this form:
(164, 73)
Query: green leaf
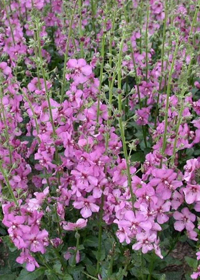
(191, 262)
(8, 277)
(76, 272)
(194, 91)
(91, 242)
(91, 269)
(104, 273)
(44, 175)
(159, 276)
(190, 152)
(27, 275)
(51, 276)
(138, 156)
(3, 231)
(165, 226)
(183, 238)
(188, 276)
(197, 152)
(67, 277)
(9, 243)
(174, 275)
(57, 267)
(147, 150)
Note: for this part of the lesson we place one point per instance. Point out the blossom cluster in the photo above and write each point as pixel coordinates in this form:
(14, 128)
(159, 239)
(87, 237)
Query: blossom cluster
(61, 148)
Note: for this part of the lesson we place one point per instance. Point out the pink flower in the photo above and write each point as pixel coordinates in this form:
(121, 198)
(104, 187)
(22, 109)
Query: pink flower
(30, 261)
(197, 84)
(145, 242)
(142, 116)
(80, 66)
(33, 217)
(84, 177)
(56, 242)
(120, 174)
(192, 193)
(198, 255)
(162, 208)
(37, 240)
(5, 68)
(40, 196)
(39, 4)
(37, 86)
(81, 70)
(70, 252)
(197, 206)
(123, 235)
(80, 223)
(136, 221)
(157, 249)
(190, 167)
(145, 194)
(130, 225)
(184, 220)
(177, 200)
(192, 235)
(196, 275)
(87, 206)
(13, 222)
(165, 182)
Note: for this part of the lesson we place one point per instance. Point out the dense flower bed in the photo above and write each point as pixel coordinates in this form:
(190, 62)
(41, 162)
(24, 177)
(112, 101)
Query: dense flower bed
(100, 132)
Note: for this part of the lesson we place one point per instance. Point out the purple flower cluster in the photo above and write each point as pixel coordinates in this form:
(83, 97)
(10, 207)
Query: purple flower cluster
(64, 154)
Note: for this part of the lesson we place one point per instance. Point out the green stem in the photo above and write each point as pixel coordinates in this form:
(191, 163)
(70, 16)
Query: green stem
(8, 16)
(110, 45)
(6, 126)
(142, 266)
(90, 276)
(173, 244)
(45, 82)
(93, 8)
(138, 93)
(168, 95)
(109, 111)
(34, 116)
(182, 93)
(43, 261)
(39, 141)
(80, 27)
(141, 9)
(121, 123)
(62, 261)
(8, 184)
(66, 53)
(48, 98)
(100, 234)
(177, 129)
(126, 13)
(126, 105)
(101, 75)
(151, 267)
(77, 235)
(194, 19)
(110, 268)
(162, 61)
(111, 79)
(146, 43)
